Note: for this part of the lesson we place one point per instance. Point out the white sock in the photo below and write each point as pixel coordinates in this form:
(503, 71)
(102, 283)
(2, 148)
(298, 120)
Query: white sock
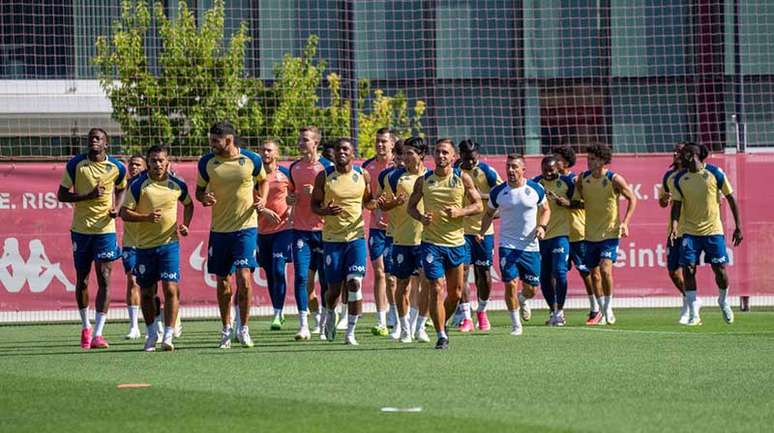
(84, 313)
(169, 331)
(405, 323)
(99, 323)
(609, 303)
(722, 296)
(413, 314)
(515, 319)
(522, 299)
(441, 334)
(394, 310)
(277, 313)
(482, 305)
(317, 318)
(237, 317)
(466, 310)
(421, 321)
(303, 319)
(133, 311)
(351, 323)
(593, 304)
(693, 304)
(381, 319)
(244, 329)
(601, 303)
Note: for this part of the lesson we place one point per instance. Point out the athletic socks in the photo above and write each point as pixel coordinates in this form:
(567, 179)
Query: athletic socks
(722, 297)
(421, 321)
(405, 324)
(593, 304)
(169, 331)
(601, 303)
(381, 319)
(84, 313)
(522, 299)
(393, 312)
(413, 314)
(466, 310)
(609, 303)
(99, 323)
(693, 304)
(482, 305)
(303, 319)
(237, 319)
(351, 323)
(441, 334)
(515, 318)
(133, 311)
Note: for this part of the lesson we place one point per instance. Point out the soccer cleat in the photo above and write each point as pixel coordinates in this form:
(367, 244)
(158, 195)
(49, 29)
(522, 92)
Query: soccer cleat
(86, 338)
(303, 334)
(594, 318)
(99, 342)
(694, 321)
(330, 329)
(225, 338)
(525, 311)
(442, 343)
(483, 321)
(395, 334)
(343, 322)
(551, 319)
(559, 320)
(685, 315)
(150, 345)
(166, 345)
(316, 329)
(421, 336)
(350, 340)
(610, 317)
(516, 331)
(133, 334)
(728, 313)
(380, 331)
(276, 324)
(405, 336)
(323, 337)
(244, 338)
(466, 326)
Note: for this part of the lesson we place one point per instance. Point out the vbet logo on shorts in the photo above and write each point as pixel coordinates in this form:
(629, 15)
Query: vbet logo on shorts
(106, 255)
(356, 268)
(169, 275)
(559, 250)
(240, 262)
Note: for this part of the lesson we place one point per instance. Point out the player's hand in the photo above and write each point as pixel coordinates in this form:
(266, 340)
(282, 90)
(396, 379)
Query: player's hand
(540, 233)
(290, 199)
(665, 199)
(480, 238)
(183, 229)
(400, 199)
(452, 212)
(672, 238)
(427, 218)
(737, 236)
(154, 216)
(259, 204)
(332, 209)
(209, 199)
(96, 192)
(308, 188)
(271, 216)
(624, 230)
(113, 212)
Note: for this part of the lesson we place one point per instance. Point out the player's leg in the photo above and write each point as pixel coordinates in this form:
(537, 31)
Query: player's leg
(168, 262)
(129, 260)
(716, 254)
(390, 284)
(463, 307)
(608, 256)
(402, 268)
(82, 259)
(432, 263)
(376, 245)
(483, 274)
(559, 262)
(302, 256)
(577, 254)
(546, 279)
(354, 262)
(149, 312)
(335, 277)
(689, 258)
(591, 260)
(676, 275)
(106, 250)
(509, 274)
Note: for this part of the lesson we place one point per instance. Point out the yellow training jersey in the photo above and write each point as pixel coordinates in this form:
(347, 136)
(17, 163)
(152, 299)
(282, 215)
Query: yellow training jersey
(145, 196)
(577, 217)
(559, 223)
(407, 230)
(83, 175)
(130, 229)
(345, 190)
(667, 186)
(382, 188)
(485, 178)
(233, 181)
(439, 192)
(700, 194)
(601, 203)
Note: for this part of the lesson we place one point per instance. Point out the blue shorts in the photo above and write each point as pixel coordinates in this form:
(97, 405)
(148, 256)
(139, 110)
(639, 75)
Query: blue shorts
(673, 254)
(274, 246)
(436, 259)
(406, 261)
(524, 265)
(129, 259)
(555, 254)
(713, 246)
(307, 250)
(596, 251)
(88, 248)
(578, 257)
(377, 244)
(156, 264)
(231, 251)
(480, 253)
(343, 259)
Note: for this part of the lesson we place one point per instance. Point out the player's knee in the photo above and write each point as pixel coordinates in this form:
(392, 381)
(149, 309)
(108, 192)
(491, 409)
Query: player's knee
(354, 288)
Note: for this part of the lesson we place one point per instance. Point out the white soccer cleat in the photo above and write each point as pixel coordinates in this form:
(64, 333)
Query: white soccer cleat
(167, 345)
(685, 315)
(150, 344)
(728, 313)
(244, 338)
(316, 329)
(225, 339)
(516, 331)
(525, 311)
(405, 336)
(395, 334)
(343, 323)
(694, 321)
(350, 339)
(133, 334)
(303, 334)
(610, 317)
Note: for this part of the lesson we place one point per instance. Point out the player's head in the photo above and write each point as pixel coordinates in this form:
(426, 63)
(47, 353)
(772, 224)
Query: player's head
(223, 137)
(515, 167)
(677, 161)
(308, 140)
(469, 153)
(270, 150)
(329, 149)
(98, 140)
(136, 165)
(413, 151)
(599, 155)
(345, 152)
(158, 160)
(565, 157)
(385, 141)
(549, 167)
(445, 152)
(693, 155)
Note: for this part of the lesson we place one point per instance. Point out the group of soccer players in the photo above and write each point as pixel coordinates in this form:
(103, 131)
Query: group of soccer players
(429, 228)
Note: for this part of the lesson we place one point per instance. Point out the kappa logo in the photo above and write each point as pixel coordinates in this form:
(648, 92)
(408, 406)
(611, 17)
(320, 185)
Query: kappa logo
(242, 161)
(209, 252)
(354, 177)
(429, 258)
(685, 242)
(399, 258)
(37, 271)
(371, 241)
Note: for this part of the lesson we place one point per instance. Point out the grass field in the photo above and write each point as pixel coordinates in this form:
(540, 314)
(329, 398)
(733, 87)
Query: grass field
(645, 374)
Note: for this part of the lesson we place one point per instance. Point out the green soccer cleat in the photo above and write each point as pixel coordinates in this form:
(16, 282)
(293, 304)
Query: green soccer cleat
(380, 331)
(276, 324)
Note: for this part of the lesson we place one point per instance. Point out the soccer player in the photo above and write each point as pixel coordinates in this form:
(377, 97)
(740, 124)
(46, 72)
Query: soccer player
(407, 236)
(307, 226)
(378, 247)
(555, 245)
(135, 166)
(443, 192)
(340, 193)
(673, 247)
(565, 158)
(524, 217)
(275, 239)
(152, 205)
(480, 254)
(96, 183)
(233, 182)
(697, 190)
(600, 189)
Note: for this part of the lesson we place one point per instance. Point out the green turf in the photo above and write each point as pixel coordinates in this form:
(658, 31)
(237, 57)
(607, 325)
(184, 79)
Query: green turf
(643, 374)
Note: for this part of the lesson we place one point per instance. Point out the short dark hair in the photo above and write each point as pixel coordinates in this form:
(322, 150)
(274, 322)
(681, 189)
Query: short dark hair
(601, 151)
(446, 140)
(416, 143)
(137, 155)
(339, 141)
(222, 129)
(469, 145)
(697, 149)
(548, 160)
(101, 131)
(514, 156)
(329, 144)
(567, 153)
(156, 148)
(398, 148)
(387, 130)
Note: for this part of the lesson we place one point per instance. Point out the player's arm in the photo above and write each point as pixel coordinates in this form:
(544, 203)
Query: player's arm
(318, 195)
(66, 196)
(129, 214)
(489, 215)
(474, 206)
(188, 212)
(674, 218)
(544, 216)
(118, 200)
(737, 236)
(204, 197)
(623, 187)
(416, 197)
(261, 193)
(368, 200)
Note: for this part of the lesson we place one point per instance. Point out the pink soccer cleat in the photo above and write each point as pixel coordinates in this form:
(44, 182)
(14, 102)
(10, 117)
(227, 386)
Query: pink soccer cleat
(483, 321)
(466, 326)
(99, 342)
(86, 338)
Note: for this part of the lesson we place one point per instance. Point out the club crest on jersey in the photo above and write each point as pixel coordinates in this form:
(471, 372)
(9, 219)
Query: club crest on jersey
(242, 161)
(109, 167)
(558, 183)
(354, 177)
(216, 162)
(705, 175)
(604, 182)
(528, 191)
(170, 184)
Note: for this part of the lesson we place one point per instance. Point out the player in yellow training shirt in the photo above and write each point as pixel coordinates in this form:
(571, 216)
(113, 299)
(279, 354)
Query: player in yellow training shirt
(96, 183)
(696, 199)
(443, 192)
(152, 205)
(339, 195)
(599, 189)
(232, 181)
(134, 167)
